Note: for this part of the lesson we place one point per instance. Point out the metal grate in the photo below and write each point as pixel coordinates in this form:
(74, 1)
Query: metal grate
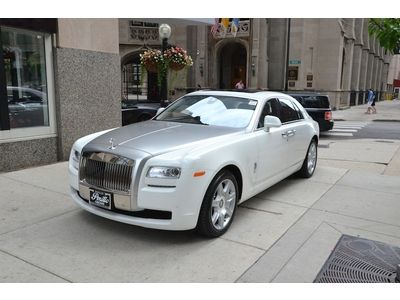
(107, 171)
(360, 260)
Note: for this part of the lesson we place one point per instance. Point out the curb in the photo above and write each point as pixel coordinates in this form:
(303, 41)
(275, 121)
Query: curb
(386, 120)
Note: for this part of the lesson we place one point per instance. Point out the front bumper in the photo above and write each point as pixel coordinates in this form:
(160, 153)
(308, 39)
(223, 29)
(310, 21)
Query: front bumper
(180, 204)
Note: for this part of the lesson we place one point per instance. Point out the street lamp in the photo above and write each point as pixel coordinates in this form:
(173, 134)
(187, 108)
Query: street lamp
(165, 32)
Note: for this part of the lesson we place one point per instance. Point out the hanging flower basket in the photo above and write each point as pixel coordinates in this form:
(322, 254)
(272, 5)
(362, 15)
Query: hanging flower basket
(176, 66)
(177, 58)
(151, 66)
(151, 60)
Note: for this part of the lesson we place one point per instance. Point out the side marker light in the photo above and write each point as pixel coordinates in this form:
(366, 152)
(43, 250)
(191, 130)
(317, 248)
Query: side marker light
(199, 173)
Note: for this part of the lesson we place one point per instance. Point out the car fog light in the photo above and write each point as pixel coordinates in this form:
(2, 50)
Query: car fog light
(164, 172)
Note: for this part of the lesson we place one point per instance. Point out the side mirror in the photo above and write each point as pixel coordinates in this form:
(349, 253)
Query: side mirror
(271, 122)
(160, 110)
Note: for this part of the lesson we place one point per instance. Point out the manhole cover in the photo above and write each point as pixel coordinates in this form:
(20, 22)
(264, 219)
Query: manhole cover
(359, 260)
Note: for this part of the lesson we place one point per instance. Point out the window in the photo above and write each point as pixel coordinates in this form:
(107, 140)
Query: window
(26, 80)
(213, 110)
(288, 112)
(299, 113)
(271, 108)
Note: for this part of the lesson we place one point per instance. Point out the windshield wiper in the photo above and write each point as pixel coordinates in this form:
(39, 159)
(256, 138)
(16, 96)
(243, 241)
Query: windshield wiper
(195, 120)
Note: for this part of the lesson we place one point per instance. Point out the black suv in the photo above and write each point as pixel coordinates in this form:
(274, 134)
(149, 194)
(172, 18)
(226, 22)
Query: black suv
(318, 107)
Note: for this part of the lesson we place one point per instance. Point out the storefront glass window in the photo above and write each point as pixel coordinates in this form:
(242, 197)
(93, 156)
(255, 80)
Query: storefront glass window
(25, 76)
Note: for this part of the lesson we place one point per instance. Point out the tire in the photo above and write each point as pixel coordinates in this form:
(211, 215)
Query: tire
(310, 161)
(219, 205)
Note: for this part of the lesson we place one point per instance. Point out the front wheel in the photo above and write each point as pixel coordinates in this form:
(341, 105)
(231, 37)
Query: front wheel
(310, 161)
(219, 205)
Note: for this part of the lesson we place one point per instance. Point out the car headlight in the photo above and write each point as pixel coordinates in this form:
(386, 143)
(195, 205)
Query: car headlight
(75, 158)
(164, 172)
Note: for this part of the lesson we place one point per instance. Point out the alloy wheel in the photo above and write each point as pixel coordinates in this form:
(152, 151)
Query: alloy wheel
(223, 204)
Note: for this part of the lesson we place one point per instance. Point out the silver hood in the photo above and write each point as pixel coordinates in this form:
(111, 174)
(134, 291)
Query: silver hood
(156, 137)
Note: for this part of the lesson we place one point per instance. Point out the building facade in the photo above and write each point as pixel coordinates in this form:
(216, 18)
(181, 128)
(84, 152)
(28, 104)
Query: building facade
(59, 80)
(393, 81)
(332, 56)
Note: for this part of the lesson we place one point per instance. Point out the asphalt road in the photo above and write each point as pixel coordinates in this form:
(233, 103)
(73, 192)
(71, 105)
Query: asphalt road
(379, 130)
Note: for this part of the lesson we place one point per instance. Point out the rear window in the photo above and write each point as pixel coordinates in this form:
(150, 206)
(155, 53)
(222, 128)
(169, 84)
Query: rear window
(311, 101)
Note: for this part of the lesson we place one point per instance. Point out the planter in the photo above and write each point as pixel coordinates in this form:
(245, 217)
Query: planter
(151, 67)
(176, 66)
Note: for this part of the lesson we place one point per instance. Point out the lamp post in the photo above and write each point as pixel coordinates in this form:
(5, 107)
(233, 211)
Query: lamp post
(165, 32)
(287, 55)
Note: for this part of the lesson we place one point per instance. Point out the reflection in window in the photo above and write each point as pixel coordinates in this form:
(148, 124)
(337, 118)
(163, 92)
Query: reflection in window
(288, 113)
(215, 110)
(25, 68)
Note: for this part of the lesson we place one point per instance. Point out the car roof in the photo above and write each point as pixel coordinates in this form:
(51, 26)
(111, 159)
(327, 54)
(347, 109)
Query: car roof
(252, 94)
(304, 94)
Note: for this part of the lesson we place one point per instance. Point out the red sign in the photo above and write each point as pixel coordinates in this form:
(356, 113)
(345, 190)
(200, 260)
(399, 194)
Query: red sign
(396, 83)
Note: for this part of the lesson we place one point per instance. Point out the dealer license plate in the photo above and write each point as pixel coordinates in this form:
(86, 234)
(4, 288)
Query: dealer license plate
(101, 199)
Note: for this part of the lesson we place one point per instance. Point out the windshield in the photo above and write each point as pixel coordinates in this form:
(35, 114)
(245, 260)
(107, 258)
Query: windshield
(213, 110)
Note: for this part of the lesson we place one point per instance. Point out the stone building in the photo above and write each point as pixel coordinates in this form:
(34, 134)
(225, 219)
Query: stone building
(59, 80)
(332, 56)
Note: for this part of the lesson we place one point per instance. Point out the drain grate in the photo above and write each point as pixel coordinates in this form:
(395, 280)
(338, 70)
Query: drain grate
(360, 260)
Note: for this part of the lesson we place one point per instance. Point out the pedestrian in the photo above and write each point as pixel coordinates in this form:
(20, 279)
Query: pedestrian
(373, 103)
(370, 98)
(239, 85)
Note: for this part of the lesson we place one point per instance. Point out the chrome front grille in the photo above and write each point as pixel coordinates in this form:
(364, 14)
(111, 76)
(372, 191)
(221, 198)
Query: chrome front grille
(106, 171)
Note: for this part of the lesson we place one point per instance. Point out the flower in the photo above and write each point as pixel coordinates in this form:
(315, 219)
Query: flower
(174, 58)
(177, 58)
(151, 59)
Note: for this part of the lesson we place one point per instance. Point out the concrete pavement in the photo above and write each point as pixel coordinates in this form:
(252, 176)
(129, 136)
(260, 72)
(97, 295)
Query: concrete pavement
(284, 234)
(388, 110)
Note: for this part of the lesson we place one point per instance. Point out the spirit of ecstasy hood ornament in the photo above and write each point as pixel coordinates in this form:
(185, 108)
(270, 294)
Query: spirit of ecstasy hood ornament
(112, 147)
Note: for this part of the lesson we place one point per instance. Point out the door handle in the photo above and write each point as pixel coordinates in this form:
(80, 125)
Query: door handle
(291, 132)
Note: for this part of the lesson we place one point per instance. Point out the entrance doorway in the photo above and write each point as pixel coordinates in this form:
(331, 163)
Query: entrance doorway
(135, 85)
(232, 65)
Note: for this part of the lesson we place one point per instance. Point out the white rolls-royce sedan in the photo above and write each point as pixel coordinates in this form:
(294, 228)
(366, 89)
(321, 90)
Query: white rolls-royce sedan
(194, 162)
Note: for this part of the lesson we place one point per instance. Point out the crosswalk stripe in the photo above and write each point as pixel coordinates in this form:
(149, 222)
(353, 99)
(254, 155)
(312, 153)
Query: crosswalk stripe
(347, 126)
(344, 128)
(337, 134)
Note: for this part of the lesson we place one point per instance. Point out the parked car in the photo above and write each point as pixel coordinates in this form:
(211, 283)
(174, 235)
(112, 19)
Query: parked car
(137, 111)
(192, 164)
(318, 107)
(27, 107)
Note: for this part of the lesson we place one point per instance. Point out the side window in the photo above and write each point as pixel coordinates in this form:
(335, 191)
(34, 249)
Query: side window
(288, 112)
(271, 108)
(299, 113)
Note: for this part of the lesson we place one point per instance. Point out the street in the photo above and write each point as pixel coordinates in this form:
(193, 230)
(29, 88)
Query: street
(364, 130)
(284, 234)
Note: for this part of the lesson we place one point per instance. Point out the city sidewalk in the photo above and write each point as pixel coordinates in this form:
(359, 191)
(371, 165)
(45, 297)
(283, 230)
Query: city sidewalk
(388, 110)
(284, 234)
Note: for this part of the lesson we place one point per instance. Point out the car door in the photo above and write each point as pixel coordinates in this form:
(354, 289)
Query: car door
(296, 131)
(272, 147)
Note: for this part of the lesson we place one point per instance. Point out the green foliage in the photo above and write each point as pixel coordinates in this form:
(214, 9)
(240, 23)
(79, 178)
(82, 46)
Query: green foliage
(387, 31)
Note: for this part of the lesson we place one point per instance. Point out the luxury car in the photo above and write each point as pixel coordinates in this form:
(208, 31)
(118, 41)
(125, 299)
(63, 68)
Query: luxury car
(194, 162)
(27, 107)
(318, 107)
